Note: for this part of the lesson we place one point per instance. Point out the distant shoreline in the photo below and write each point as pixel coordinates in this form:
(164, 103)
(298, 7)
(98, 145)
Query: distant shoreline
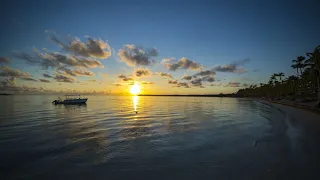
(192, 95)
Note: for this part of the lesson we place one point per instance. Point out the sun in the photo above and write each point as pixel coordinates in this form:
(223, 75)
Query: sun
(135, 89)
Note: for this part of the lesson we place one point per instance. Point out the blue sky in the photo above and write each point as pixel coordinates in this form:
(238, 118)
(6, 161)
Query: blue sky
(211, 33)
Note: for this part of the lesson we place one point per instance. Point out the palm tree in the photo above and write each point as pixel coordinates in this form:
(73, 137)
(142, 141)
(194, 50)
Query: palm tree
(314, 62)
(281, 74)
(298, 64)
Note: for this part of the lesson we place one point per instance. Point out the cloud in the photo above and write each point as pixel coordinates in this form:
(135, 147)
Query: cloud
(29, 79)
(55, 59)
(173, 82)
(134, 56)
(167, 60)
(183, 84)
(8, 82)
(233, 84)
(197, 82)
(26, 57)
(141, 72)
(233, 67)
(64, 78)
(146, 83)
(162, 74)
(5, 71)
(185, 77)
(95, 48)
(4, 60)
(92, 80)
(125, 78)
(75, 72)
(183, 63)
(255, 70)
(208, 78)
(46, 75)
(44, 80)
(205, 73)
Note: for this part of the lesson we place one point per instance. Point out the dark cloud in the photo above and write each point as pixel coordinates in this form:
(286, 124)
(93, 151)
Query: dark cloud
(44, 80)
(255, 70)
(141, 72)
(185, 77)
(75, 72)
(173, 82)
(55, 59)
(205, 73)
(5, 71)
(4, 60)
(183, 84)
(233, 67)
(95, 48)
(135, 56)
(46, 75)
(29, 79)
(8, 82)
(245, 85)
(24, 56)
(197, 82)
(208, 78)
(162, 74)
(183, 63)
(233, 84)
(92, 80)
(64, 78)
(125, 78)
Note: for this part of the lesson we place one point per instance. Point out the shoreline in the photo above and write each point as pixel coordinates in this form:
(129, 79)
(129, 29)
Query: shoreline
(292, 104)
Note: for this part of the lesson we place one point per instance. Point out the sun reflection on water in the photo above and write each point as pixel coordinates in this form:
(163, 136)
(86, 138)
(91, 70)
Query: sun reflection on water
(135, 101)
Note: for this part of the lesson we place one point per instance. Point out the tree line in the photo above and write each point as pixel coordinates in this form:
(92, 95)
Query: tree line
(304, 86)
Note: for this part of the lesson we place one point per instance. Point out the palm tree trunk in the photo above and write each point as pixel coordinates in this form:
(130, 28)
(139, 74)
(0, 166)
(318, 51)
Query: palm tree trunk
(297, 73)
(318, 82)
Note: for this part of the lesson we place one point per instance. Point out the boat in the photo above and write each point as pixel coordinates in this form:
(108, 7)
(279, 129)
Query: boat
(71, 99)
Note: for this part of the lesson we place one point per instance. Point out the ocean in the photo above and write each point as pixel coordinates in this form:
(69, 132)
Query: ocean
(140, 137)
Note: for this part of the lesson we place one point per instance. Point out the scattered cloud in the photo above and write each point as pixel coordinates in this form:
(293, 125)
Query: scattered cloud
(46, 75)
(24, 56)
(186, 77)
(183, 84)
(29, 79)
(208, 78)
(197, 82)
(234, 67)
(183, 63)
(173, 82)
(95, 48)
(205, 73)
(162, 74)
(125, 78)
(255, 70)
(135, 56)
(233, 84)
(44, 80)
(142, 72)
(146, 82)
(64, 78)
(92, 80)
(167, 60)
(5, 71)
(4, 60)
(8, 82)
(55, 59)
(75, 72)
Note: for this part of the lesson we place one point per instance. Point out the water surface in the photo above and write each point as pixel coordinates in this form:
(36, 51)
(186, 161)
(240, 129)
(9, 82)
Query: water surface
(122, 137)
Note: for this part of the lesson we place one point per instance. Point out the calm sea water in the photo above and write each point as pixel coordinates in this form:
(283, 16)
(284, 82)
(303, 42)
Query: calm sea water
(168, 138)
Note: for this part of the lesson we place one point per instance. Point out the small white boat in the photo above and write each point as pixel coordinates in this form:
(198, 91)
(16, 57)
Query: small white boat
(71, 99)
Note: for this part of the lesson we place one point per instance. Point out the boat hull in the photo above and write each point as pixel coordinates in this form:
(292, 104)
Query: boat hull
(71, 101)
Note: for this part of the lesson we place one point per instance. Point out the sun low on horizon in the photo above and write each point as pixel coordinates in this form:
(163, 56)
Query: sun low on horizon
(135, 89)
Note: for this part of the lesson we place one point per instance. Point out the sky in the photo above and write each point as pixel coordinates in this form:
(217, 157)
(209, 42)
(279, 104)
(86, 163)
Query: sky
(168, 47)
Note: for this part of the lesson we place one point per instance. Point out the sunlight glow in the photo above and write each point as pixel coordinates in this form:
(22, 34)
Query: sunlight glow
(135, 89)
